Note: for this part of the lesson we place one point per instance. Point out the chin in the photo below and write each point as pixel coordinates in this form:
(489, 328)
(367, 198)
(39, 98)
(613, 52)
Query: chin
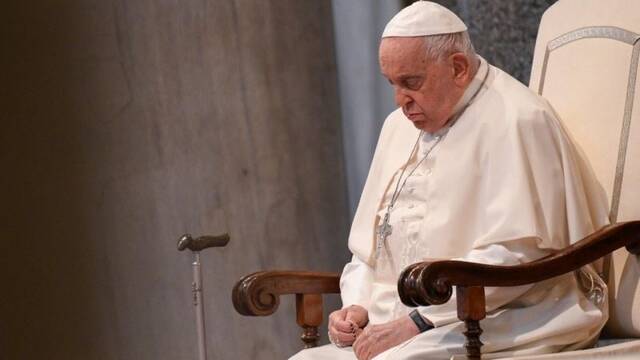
(419, 124)
(422, 125)
(427, 126)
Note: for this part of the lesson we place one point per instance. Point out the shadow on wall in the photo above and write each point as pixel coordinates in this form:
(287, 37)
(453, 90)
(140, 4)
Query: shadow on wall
(52, 256)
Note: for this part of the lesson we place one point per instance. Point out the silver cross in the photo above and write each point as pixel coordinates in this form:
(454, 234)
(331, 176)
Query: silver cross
(384, 230)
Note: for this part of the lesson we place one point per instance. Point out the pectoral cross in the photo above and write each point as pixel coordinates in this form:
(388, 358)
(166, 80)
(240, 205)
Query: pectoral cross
(384, 230)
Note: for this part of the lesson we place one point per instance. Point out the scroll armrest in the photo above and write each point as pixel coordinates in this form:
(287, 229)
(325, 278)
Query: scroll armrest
(430, 283)
(258, 294)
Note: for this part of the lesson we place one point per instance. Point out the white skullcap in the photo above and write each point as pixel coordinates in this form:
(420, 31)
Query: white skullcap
(423, 18)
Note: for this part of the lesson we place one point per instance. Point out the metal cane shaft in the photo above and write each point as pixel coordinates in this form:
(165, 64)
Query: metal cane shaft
(197, 302)
(195, 245)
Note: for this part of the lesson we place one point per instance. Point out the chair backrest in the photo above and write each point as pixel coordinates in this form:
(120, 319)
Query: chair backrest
(586, 65)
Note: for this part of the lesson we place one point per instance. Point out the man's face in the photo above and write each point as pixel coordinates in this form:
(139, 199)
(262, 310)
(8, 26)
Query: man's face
(425, 89)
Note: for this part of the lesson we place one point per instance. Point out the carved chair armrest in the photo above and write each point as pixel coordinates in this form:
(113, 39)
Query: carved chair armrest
(430, 283)
(258, 294)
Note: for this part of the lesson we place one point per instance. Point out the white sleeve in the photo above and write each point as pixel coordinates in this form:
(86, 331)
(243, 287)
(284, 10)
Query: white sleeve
(355, 283)
(511, 253)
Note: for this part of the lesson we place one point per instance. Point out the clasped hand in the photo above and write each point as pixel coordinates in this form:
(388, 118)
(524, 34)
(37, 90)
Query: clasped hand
(349, 326)
(346, 323)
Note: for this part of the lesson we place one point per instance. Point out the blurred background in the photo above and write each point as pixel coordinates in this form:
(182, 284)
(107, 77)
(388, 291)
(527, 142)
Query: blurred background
(126, 123)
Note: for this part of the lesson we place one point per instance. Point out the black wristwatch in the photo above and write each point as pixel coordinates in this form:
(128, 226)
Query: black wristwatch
(419, 321)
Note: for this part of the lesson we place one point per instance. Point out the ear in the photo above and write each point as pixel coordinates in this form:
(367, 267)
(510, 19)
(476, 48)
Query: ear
(461, 68)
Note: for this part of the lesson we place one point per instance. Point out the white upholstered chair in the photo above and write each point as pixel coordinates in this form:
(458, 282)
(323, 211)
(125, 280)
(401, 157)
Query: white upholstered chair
(586, 65)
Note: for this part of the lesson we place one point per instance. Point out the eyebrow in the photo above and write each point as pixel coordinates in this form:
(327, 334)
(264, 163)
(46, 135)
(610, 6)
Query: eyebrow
(407, 77)
(404, 76)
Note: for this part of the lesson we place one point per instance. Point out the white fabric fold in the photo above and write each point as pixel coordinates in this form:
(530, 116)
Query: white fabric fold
(355, 283)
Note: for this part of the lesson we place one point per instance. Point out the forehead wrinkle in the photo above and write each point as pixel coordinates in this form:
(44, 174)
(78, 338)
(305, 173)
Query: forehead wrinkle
(402, 57)
(403, 70)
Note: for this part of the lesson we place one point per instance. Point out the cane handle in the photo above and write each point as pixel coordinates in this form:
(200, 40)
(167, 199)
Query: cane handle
(202, 242)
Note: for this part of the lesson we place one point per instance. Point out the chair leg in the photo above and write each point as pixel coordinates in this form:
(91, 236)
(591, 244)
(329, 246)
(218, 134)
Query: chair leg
(309, 317)
(471, 309)
(473, 343)
(310, 336)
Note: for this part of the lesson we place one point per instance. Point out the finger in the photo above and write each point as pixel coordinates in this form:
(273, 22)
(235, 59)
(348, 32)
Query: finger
(344, 338)
(344, 326)
(352, 312)
(357, 316)
(356, 345)
(357, 349)
(360, 343)
(364, 351)
(338, 315)
(341, 335)
(335, 331)
(365, 342)
(367, 354)
(354, 325)
(361, 335)
(375, 350)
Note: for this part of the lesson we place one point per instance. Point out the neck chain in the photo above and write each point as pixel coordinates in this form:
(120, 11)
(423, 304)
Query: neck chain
(385, 229)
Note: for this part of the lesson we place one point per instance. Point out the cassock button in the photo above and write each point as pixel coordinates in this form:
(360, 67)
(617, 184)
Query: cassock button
(428, 172)
(411, 206)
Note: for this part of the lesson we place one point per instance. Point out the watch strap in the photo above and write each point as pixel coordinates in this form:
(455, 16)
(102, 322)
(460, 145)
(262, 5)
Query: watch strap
(419, 321)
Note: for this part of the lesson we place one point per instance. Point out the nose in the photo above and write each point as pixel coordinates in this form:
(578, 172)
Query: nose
(401, 96)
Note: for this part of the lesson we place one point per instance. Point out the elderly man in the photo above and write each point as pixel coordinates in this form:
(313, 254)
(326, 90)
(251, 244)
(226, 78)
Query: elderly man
(472, 166)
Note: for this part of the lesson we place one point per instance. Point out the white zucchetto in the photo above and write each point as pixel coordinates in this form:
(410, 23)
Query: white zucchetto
(423, 18)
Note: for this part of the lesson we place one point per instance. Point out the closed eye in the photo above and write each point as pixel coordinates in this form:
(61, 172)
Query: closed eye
(412, 83)
(409, 82)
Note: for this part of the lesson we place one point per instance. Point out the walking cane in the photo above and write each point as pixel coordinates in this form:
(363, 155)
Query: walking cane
(196, 245)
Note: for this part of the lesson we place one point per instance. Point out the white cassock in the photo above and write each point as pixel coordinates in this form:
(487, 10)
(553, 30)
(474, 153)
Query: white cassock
(504, 186)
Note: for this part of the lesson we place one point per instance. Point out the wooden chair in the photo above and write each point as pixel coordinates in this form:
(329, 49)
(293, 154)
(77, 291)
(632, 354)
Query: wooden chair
(585, 64)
